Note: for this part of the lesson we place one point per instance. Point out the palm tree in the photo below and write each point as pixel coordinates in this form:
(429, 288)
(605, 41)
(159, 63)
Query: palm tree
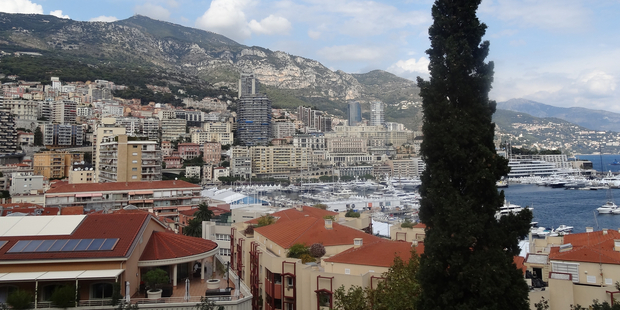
(194, 226)
(203, 214)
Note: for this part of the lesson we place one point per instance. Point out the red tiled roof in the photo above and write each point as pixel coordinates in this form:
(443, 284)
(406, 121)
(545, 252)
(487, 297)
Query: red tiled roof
(167, 245)
(118, 186)
(594, 247)
(519, 261)
(125, 227)
(380, 253)
(310, 230)
(72, 210)
(420, 225)
(294, 214)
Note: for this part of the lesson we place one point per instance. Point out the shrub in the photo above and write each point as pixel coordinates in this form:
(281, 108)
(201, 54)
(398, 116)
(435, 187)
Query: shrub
(64, 296)
(329, 217)
(307, 258)
(406, 224)
(266, 220)
(351, 213)
(155, 278)
(297, 250)
(317, 250)
(19, 299)
(249, 230)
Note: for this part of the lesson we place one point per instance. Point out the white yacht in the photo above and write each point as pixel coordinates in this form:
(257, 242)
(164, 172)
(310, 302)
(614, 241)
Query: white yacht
(508, 208)
(608, 207)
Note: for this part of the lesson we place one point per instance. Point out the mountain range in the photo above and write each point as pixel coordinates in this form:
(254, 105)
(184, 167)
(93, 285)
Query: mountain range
(591, 119)
(188, 53)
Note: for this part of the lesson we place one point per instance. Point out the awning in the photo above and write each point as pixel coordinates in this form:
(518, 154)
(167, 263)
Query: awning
(148, 201)
(144, 192)
(132, 193)
(97, 195)
(83, 195)
(60, 275)
(100, 274)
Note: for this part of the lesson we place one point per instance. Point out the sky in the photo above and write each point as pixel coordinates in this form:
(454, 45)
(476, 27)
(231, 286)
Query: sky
(563, 53)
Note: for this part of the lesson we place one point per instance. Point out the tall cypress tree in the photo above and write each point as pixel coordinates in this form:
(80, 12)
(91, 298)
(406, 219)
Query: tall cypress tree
(468, 254)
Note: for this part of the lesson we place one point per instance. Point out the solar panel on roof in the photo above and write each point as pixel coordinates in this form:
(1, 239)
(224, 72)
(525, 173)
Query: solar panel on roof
(108, 244)
(61, 245)
(45, 245)
(57, 246)
(95, 245)
(83, 245)
(19, 246)
(70, 245)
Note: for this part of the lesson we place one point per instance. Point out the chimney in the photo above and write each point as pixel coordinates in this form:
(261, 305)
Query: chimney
(328, 224)
(591, 229)
(604, 231)
(617, 245)
(299, 208)
(566, 247)
(358, 242)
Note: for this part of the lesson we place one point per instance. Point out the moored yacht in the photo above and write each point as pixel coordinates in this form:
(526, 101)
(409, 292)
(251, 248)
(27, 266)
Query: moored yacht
(608, 207)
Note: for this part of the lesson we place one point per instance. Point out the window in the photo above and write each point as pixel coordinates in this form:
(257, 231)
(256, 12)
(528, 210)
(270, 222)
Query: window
(134, 177)
(101, 290)
(135, 146)
(222, 237)
(134, 153)
(289, 281)
(347, 271)
(134, 161)
(134, 169)
(324, 299)
(224, 252)
(572, 269)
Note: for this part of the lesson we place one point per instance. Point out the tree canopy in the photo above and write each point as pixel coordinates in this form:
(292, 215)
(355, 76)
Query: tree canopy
(468, 256)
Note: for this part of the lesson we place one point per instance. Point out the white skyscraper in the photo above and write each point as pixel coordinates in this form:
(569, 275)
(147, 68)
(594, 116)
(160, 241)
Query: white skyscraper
(377, 113)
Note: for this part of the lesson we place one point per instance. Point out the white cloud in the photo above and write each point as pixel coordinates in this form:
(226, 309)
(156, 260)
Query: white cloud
(152, 11)
(226, 17)
(314, 34)
(596, 84)
(58, 13)
(410, 68)
(351, 53)
(548, 14)
(104, 18)
(271, 25)
(20, 6)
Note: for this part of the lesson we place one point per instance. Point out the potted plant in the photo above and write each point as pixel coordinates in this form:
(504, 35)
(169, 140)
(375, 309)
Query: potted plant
(154, 279)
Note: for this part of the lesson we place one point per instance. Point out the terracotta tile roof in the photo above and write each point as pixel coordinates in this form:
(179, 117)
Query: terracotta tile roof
(419, 225)
(119, 186)
(72, 210)
(294, 214)
(310, 230)
(519, 261)
(379, 253)
(594, 247)
(125, 227)
(167, 245)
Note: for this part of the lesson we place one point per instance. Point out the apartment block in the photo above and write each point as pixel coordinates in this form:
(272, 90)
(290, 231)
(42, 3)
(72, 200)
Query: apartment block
(283, 129)
(23, 110)
(212, 153)
(315, 141)
(341, 145)
(241, 162)
(55, 165)
(81, 176)
(63, 135)
(162, 196)
(166, 148)
(8, 133)
(278, 160)
(104, 130)
(172, 129)
(254, 120)
(377, 113)
(247, 85)
(24, 183)
(129, 159)
(150, 127)
(189, 150)
(63, 112)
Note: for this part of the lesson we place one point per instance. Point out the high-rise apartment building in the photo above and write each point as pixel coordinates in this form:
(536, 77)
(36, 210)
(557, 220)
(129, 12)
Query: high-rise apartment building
(254, 120)
(278, 160)
(8, 133)
(247, 85)
(377, 113)
(105, 129)
(172, 129)
(354, 113)
(129, 159)
(212, 153)
(241, 162)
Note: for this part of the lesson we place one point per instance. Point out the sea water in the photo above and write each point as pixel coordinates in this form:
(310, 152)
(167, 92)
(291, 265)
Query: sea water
(557, 206)
(604, 161)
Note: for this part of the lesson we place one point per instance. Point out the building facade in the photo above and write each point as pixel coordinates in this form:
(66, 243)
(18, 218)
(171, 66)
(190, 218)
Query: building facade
(354, 113)
(55, 165)
(254, 120)
(129, 160)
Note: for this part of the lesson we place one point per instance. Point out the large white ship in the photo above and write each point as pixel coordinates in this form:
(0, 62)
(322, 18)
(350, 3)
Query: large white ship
(528, 167)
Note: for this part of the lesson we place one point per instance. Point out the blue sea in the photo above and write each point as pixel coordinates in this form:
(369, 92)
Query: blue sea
(556, 206)
(602, 160)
